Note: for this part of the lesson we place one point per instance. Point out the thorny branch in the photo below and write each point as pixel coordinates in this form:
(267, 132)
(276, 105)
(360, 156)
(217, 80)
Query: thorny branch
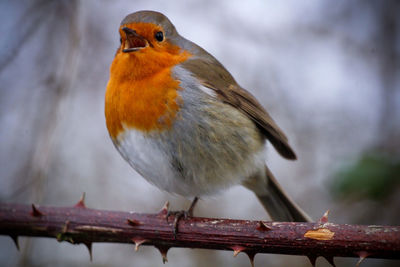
(81, 225)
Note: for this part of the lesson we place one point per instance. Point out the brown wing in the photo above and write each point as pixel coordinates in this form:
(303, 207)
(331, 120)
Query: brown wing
(214, 76)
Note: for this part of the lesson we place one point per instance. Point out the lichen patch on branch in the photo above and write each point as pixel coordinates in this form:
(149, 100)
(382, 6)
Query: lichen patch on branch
(320, 234)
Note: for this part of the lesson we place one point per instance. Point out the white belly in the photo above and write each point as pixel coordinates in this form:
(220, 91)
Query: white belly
(196, 157)
(144, 154)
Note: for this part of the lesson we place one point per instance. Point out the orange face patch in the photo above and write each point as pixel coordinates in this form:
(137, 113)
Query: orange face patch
(141, 92)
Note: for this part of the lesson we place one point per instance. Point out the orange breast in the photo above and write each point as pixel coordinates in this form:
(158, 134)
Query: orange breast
(141, 93)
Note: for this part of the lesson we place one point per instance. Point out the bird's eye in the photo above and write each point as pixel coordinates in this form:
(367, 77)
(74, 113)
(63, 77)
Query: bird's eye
(159, 36)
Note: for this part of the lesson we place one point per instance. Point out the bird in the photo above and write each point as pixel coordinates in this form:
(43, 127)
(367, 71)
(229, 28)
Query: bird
(181, 120)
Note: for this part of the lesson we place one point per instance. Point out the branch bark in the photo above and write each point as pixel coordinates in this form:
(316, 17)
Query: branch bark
(79, 224)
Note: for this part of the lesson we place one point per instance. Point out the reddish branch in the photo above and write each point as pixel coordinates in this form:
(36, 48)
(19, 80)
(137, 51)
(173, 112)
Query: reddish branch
(79, 224)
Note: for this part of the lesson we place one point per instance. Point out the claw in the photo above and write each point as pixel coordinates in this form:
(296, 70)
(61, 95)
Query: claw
(178, 216)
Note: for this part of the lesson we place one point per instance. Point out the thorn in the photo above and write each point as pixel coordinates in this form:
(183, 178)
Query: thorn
(35, 212)
(133, 222)
(15, 239)
(81, 202)
(313, 259)
(65, 227)
(89, 247)
(63, 235)
(324, 218)
(362, 255)
(164, 209)
(261, 226)
(251, 255)
(330, 260)
(237, 250)
(163, 250)
(138, 242)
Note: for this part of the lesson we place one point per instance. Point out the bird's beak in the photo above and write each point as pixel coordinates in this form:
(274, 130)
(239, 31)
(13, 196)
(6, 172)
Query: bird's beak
(133, 41)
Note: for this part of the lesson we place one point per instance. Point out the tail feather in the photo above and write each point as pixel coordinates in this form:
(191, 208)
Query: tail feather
(278, 205)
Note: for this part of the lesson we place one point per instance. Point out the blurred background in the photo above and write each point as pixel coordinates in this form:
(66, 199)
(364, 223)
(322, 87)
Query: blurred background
(327, 71)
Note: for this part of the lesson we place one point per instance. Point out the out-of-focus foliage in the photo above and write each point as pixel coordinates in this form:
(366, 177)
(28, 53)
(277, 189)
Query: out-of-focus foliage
(373, 176)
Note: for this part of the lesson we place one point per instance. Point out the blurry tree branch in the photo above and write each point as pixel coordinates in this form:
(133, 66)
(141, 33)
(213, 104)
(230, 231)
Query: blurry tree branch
(81, 225)
(36, 15)
(59, 21)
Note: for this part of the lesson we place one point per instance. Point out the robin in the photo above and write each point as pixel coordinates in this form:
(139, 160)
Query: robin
(180, 119)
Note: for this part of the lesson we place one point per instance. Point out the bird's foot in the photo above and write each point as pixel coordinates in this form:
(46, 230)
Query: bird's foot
(178, 215)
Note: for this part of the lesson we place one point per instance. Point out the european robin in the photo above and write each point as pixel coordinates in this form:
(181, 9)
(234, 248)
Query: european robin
(180, 119)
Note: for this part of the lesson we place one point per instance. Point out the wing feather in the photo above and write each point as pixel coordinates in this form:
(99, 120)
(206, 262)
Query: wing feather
(214, 76)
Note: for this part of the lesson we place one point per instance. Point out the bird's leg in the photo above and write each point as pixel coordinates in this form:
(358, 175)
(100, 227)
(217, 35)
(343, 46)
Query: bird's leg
(191, 208)
(182, 213)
